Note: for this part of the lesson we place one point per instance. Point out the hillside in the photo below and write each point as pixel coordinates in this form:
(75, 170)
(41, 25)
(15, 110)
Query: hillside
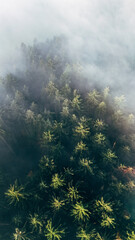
(67, 152)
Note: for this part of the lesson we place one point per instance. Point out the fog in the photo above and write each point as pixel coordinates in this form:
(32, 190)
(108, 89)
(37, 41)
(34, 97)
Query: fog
(101, 36)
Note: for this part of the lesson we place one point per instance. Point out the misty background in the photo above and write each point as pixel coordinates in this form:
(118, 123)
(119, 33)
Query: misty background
(100, 33)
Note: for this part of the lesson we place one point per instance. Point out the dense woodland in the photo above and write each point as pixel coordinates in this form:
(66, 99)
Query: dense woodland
(67, 152)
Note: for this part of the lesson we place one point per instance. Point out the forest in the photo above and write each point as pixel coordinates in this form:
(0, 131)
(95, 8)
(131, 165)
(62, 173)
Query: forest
(67, 152)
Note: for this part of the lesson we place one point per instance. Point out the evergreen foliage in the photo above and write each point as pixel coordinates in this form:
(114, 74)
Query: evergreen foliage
(73, 151)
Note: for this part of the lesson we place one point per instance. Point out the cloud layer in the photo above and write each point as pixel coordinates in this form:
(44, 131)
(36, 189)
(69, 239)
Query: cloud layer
(101, 34)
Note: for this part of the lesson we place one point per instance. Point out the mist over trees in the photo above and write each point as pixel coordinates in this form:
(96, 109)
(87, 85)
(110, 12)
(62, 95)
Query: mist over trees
(67, 152)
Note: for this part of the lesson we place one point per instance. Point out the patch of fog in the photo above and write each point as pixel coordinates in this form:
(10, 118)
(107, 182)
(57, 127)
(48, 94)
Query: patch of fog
(101, 36)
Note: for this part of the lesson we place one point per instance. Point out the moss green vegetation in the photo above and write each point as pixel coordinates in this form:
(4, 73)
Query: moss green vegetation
(73, 149)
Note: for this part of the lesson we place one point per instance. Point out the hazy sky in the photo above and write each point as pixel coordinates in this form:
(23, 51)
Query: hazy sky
(101, 33)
